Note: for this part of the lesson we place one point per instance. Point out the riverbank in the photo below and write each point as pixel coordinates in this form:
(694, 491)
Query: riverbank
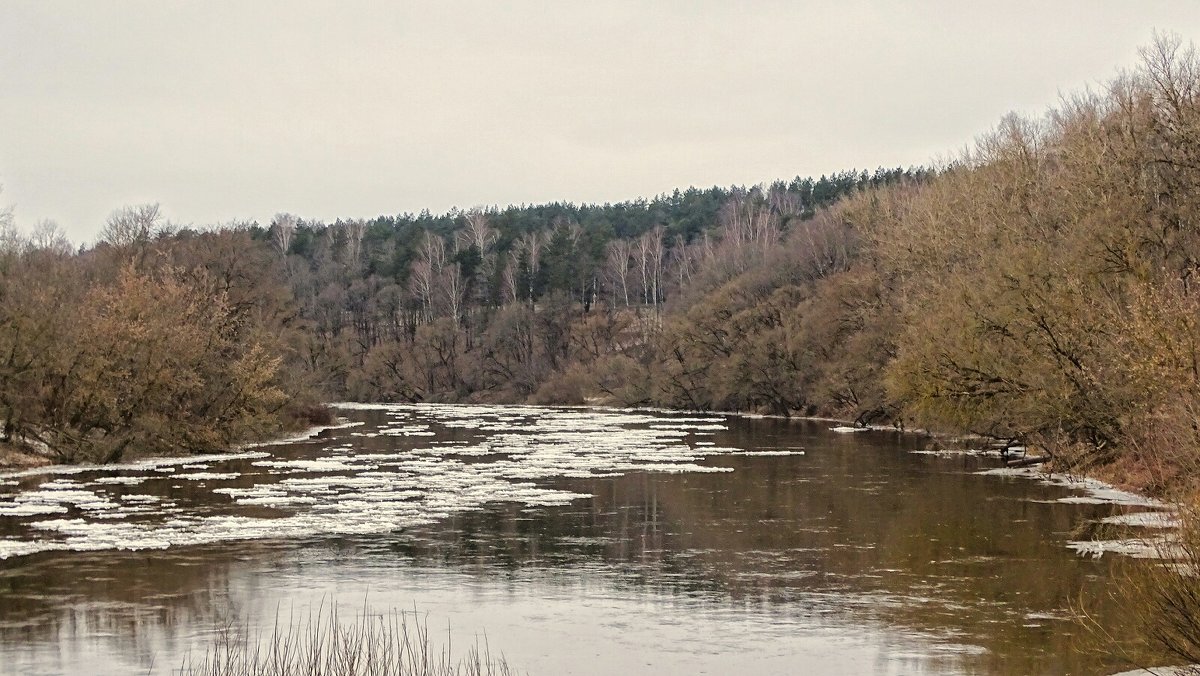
(13, 456)
(302, 420)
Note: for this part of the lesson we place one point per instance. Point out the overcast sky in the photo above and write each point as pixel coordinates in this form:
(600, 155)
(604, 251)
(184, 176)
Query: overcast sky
(238, 110)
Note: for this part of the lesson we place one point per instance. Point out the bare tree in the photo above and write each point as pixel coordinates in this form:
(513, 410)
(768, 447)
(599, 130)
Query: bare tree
(617, 265)
(283, 229)
(479, 231)
(11, 240)
(48, 236)
(453, 288)
(533, 244)
(425, 279)
(354, 231)
(649, 254)
(132, 225)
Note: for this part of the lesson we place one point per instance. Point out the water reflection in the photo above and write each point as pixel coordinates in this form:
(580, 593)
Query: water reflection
(855, 557)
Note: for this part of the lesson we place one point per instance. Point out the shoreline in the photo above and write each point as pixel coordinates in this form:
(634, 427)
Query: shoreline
(239, 452)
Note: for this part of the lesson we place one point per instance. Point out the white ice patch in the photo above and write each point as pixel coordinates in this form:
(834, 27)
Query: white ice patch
(1144, 520)
(1138, 548)
(1097, 492)
(303, 435)
(683, 426)
(410, 477)
(766, 452)
(140, 465)
(208, 476)
(53, 497)
(842, 429)
(951, 452)
(120, 480)
(278, 500)
(10, 548)
(30, 509)
(307, 465)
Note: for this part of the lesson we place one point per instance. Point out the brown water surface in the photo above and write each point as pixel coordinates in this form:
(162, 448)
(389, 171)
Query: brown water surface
(578, 541)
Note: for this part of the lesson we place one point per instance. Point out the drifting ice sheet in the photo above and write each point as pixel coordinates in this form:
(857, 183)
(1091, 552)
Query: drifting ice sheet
(515, 450)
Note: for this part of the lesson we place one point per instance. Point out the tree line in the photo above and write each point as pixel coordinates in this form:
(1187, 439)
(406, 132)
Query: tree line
(1040, 287)
(167, 339)
(531, 303)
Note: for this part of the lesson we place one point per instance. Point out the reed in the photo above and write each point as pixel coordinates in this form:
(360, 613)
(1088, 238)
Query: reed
(319, 643)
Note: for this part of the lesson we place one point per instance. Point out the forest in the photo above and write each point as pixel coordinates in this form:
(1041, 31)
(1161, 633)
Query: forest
(1040, 288)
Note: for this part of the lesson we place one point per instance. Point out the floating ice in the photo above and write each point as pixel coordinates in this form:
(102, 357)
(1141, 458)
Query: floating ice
(333, 486)
(766, 452)
(1097, 492)
(120, 480)
(9, 548)
(1138, 548)
(208, 476)
(1144, 520)
(30, 509)
(307, 465)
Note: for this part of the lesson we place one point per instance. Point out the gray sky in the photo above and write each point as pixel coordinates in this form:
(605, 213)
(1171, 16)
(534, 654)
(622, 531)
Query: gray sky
(237, 110)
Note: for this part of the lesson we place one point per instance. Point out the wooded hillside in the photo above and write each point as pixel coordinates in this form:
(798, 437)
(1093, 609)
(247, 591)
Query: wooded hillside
(1040, 287)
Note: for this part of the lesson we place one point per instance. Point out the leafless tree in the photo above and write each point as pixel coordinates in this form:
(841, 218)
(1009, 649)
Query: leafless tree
(649, 252)
(354, 232)
(132, 225)
(479, 231)
(283, 229)
(48, 236)
(617, 266)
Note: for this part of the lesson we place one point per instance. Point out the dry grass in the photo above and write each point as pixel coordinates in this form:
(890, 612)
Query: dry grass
(394, 643)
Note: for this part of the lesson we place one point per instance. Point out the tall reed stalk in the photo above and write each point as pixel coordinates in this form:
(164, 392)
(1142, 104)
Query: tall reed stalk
(393, 643)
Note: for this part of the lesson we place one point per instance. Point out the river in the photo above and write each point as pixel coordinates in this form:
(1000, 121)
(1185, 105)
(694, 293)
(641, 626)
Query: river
(577, 541)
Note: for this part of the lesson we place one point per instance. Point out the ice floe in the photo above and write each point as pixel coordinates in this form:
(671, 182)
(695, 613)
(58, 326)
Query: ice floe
(120, 480)
(1144, 520)
(1096, 492)
(333, 485)
(766, 452)
(307, 465)
(1138, 548)
(207, 476)
(30, 509)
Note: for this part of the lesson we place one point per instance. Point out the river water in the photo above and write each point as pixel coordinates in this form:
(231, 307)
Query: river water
(574, 541)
